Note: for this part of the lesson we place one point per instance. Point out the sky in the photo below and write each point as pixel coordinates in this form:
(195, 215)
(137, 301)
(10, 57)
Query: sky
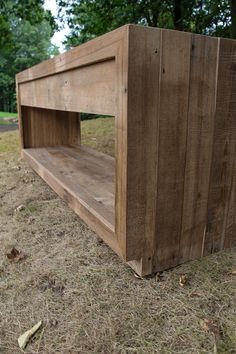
(59, 36)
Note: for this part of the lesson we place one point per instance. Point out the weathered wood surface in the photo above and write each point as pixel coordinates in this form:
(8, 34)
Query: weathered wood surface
(83, 179)
(221, 186)
(72, 90)
(142, 130)
(201, 110)
(44, 127)
(174, 93)
(170, 194)
(97, 50)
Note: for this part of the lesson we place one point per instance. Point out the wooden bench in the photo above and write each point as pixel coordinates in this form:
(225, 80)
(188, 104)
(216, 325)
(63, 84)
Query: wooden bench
(169, 196)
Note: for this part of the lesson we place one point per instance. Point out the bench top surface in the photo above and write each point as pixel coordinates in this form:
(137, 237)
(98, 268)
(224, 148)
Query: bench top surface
(89, 53)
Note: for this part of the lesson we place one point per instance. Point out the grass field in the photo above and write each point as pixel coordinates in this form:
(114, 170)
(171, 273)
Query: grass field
(89, 301)
(8, 115)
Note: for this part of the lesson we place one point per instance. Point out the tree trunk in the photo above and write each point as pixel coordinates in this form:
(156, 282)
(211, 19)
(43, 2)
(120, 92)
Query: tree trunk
(233, 18)
(178, 15)
(152, 12)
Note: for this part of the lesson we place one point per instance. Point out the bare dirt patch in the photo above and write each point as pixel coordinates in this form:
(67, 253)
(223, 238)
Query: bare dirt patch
(88, 300)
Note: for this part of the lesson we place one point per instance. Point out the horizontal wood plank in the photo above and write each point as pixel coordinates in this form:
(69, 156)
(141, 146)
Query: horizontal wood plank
(94, 51)
(90, 89)
(86, 178)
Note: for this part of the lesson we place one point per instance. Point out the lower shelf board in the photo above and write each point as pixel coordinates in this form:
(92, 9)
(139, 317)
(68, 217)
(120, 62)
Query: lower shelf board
(84, 178)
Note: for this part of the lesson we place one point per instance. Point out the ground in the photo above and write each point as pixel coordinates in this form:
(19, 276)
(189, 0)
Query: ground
(7, 119)
(88, 299)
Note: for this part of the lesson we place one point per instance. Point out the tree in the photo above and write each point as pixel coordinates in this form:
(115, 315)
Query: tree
(233, 16)
(178, 14)
(32, 44)
(26, 30)
(90, 18)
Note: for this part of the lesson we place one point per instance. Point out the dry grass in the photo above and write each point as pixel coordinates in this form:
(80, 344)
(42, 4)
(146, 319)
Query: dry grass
(89, 301)
(99, 134)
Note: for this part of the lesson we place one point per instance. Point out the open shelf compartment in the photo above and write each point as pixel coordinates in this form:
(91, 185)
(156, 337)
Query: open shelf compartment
(85, 175)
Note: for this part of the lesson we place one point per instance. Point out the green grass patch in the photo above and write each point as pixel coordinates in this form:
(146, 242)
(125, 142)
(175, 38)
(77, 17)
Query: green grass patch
(7, 118)
(8, 115)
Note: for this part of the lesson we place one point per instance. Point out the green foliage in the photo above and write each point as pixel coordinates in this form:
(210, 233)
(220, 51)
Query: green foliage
(32, 44)
(26, 30)
(26, 27)
(90, 18)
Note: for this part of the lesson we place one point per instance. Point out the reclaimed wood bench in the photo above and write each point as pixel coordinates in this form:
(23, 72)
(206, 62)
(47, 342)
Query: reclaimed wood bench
(169, 196)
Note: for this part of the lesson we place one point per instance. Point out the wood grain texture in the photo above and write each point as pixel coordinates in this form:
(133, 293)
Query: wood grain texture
(44, 127)
(94, 51)
(201, 114)
(173, 114)
(142, 147)
(169, 195)
(71, 173)
(20, 125)
(89, 89)
(220, 186)
(121, 119)
(229, 239)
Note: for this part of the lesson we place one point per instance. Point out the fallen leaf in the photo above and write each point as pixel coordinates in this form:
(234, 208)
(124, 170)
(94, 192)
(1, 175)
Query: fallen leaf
(16, 168)
(53, 322)
(138, 276)
(11, 188)
(15, 255)
(195, 294)
(183, 280)
(20, 208)
(210, 325)
(159, 276)
(30, 220)
(25, 180)
(233, 271)
(24, 338)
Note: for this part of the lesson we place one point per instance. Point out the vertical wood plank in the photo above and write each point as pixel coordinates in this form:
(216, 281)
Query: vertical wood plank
(44, 127)
(201, 111)
(229, 235)
(20, 124)
(222, 172)
(142, 134)
(174, 91)
(121, 86)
